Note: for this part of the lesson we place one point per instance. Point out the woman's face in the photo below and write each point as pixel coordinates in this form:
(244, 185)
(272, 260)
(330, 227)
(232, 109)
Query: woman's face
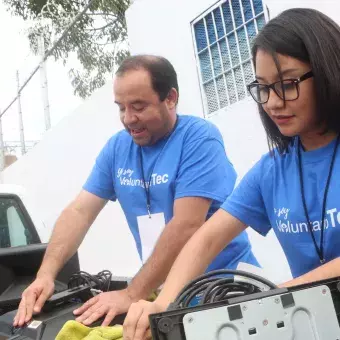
(293, 118)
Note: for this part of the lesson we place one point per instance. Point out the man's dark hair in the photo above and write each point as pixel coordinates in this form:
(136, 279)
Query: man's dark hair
(162, 73)
(309, 36)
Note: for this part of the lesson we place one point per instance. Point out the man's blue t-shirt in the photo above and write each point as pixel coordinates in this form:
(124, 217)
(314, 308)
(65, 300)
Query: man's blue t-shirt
(269, 196)
(190, 162)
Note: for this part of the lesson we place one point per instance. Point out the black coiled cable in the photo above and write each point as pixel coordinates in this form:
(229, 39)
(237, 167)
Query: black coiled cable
(100, 281)
(219, 285)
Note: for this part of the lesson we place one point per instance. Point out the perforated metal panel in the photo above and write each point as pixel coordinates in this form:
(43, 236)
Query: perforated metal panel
(210, 28)
(215, 55)
(260, 22)
(251, 30)
(248, 13)
(258, 6)
(223, 39)
(243, 44)
(237, 12)
(205, 64)
(219, 22)
(231, 86)
(211, 97)
(301, 315)
(201, 39)
(248, 73)
(222, 91)
(225, 55)
(240, 85)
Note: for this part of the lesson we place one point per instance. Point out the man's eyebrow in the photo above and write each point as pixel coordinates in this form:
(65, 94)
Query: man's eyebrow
(139, 101)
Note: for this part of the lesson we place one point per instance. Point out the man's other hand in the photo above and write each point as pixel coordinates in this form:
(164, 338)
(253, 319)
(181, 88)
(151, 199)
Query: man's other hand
(109, 304)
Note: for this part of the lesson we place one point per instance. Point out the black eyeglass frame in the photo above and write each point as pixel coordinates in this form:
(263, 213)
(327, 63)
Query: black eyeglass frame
(295, 81)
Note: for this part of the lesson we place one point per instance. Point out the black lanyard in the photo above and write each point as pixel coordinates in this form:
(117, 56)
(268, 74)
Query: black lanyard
(148, 183)
(319, 250)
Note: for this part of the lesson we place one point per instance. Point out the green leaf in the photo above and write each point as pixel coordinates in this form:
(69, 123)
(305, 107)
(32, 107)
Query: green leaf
(98, 38)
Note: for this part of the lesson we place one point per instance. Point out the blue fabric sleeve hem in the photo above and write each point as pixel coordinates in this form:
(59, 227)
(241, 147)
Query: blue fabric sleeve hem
(244, 220)
(98, 193)
(198, 193)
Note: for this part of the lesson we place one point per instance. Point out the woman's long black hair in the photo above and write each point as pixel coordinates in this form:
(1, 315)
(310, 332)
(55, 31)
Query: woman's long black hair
(309, 36)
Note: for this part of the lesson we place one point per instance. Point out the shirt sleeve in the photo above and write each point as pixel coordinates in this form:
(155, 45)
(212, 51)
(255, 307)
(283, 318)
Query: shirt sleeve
(101, 181)
(246, 202)
(205, 171)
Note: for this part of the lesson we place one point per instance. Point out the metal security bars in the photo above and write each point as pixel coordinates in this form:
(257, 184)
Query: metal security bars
(223, 38)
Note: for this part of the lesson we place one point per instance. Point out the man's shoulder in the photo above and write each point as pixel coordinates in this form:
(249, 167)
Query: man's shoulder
(198, 128)
(121, 137)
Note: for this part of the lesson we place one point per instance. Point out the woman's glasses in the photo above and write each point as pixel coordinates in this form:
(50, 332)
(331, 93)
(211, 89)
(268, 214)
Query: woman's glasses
(286, 89)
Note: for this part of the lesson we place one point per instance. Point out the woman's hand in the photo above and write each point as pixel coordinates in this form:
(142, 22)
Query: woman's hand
(136, 325)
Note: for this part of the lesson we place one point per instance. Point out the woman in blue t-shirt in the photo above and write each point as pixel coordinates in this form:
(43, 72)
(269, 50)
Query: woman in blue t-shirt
(295, 188)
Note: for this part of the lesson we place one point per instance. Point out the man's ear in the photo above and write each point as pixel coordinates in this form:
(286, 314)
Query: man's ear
(172, 98)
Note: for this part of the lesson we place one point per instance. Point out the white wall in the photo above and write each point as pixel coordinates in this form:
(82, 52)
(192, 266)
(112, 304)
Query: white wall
(55, 170)
(329, 7)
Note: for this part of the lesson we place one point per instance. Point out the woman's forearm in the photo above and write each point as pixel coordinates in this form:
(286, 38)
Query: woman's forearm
(328, 270)
(199, 252)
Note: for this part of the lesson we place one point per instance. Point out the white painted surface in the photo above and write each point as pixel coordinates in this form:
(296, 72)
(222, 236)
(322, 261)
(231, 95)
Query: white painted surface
(54, 171)
(329, 7)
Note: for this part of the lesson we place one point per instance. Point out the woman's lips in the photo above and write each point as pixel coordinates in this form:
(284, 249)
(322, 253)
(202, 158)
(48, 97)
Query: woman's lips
(281, 119)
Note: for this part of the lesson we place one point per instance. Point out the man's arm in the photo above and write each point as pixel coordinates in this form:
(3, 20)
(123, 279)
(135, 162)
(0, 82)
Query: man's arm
(67, 235)
(326, 271)
(69, 231)
(189, 214)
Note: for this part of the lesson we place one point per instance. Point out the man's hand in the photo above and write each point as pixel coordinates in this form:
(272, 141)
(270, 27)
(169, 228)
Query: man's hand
(109, 304)
(33, 299)
(136, 325)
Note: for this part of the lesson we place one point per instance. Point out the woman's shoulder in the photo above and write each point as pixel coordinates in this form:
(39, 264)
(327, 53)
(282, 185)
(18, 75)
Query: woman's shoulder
(272, 161)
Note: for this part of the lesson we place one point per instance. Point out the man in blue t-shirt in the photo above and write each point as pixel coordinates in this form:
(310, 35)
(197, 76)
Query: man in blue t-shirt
(169, 173)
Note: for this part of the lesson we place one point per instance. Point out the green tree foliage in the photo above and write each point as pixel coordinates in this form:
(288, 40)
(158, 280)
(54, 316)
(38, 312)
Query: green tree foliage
(98, 39)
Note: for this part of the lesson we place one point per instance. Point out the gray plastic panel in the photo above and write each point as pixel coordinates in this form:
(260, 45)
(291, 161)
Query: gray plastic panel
(311, 315)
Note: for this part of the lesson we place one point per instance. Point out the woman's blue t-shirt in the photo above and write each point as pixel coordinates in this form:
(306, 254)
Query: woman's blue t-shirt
(269, 197)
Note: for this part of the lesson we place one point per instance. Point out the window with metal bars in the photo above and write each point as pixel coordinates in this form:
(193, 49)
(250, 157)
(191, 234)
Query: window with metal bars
(223, 37)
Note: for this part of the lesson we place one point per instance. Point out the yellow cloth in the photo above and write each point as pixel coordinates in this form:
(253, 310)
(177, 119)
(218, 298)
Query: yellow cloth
(153, 296)
(73, 330)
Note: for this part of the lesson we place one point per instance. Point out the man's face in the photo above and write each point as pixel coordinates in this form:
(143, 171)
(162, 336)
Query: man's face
(143, 115)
